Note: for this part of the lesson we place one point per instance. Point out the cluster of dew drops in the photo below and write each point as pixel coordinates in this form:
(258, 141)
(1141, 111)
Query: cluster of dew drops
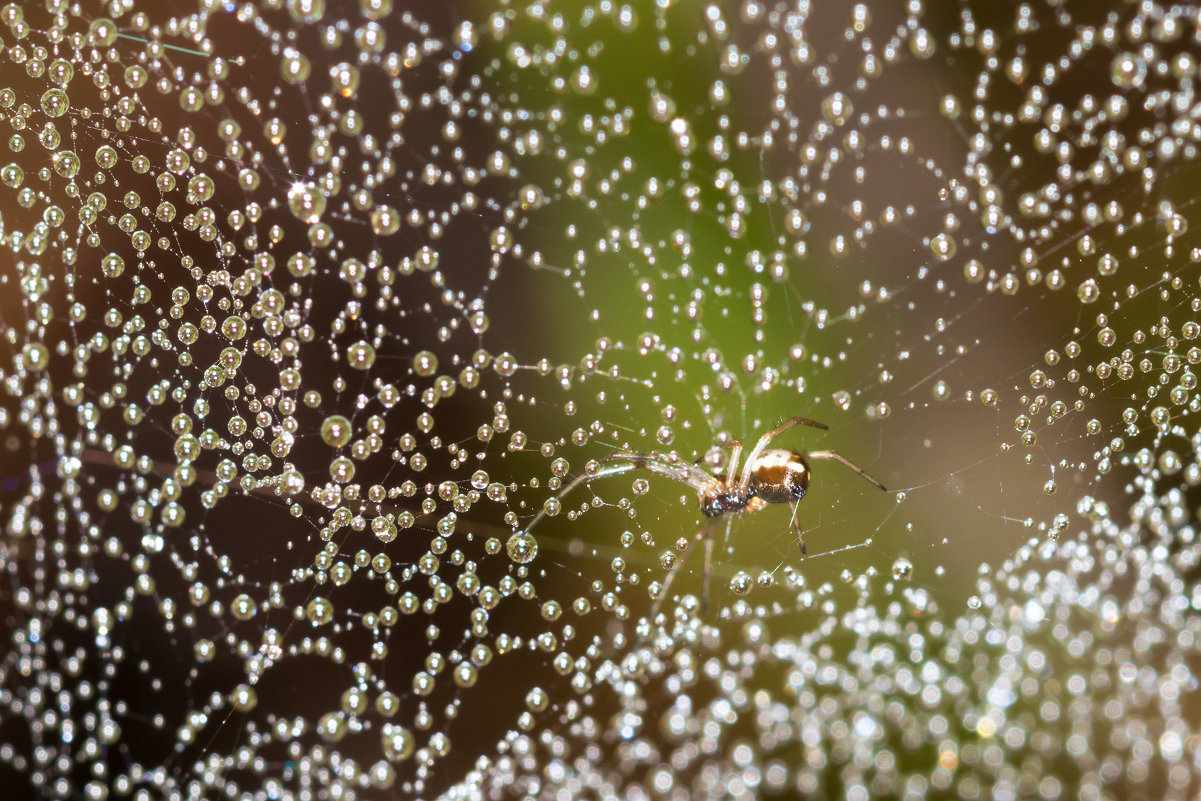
(254, 251)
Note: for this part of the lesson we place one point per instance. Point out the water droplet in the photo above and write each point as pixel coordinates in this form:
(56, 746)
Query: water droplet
(522, 547)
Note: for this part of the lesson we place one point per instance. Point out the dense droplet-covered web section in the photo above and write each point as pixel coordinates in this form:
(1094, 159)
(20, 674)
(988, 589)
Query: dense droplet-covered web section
(364, 362)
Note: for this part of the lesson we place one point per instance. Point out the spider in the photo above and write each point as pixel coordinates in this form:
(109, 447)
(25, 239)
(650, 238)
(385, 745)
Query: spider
(769, 475)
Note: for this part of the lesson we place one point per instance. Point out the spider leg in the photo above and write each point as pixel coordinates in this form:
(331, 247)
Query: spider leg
(735, 455)
(706, 533)
(745, 479)
(735, 448)
(671, 574)
(839, 458)
(705, 575)
(620, 462)
(800, 533)
(692, 475)
(607, 470)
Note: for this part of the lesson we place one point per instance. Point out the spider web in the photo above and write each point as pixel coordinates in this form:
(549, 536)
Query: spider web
(314, 307)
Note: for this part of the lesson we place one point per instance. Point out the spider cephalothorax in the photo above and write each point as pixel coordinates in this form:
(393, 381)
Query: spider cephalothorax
(769, 475)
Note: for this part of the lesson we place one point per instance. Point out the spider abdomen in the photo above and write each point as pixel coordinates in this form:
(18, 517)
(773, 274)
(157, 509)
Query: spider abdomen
(776, 476)
(779, 476)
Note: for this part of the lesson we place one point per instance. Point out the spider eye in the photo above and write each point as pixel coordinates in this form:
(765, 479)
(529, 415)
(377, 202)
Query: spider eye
(797, 490)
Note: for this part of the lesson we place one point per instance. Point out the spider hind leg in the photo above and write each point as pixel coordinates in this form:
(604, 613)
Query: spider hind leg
(704, 533)
(795, 526)
(705, 575)
(837, 457)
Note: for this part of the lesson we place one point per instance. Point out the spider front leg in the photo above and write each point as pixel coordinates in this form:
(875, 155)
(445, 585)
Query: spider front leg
(620, 462)
(749, 465)
(734, 446)
(735, 455)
